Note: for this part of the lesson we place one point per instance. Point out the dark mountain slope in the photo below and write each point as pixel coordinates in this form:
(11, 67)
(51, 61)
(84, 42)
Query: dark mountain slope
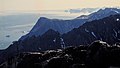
(62, 26)
(106, 29)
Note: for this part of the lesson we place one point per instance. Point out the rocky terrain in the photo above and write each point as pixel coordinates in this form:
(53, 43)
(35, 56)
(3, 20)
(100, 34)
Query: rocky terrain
(98, 54)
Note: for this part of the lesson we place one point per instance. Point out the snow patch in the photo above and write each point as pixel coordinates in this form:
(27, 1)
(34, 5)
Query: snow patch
(39, 48)
(101, 39)
(104, 22)
(113, 35)
(93, 34)
(119, 31)
(62, 43)
(86, 30)
(62, 39)
(102, 42)
(115, 32)
(54, 40)
(116, 11)
(117, 19)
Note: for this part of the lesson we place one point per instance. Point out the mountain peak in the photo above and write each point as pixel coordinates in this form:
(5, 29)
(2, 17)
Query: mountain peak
(42, 18)
(101, 13)
(110, 10)
(82, 17)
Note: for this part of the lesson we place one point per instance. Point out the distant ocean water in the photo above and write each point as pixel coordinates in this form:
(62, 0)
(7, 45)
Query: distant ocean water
(13, 26)
(10, 34)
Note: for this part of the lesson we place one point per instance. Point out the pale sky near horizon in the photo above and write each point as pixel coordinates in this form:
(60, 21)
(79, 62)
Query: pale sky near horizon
(55, 4)
(31, 5)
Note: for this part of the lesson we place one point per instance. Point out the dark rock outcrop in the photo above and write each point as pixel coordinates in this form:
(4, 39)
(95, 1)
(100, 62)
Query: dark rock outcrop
(98, 54)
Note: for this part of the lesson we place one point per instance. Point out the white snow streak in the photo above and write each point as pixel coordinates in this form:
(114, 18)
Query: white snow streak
(93, 34)
(115, 32)
(62, 43)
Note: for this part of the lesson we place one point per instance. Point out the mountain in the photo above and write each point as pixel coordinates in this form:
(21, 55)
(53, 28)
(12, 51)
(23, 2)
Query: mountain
(32, 44)
(106, 29)
(64, 26)
(82, 10)
(101, 14)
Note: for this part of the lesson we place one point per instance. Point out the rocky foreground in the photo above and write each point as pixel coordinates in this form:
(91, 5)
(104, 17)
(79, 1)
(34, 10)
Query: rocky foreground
(96, 55)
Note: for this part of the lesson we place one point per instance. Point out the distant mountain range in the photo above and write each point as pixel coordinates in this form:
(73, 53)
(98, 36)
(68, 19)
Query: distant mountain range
(106, 29)
(102, 28)
(83, 10)
(64, 26)
(100, 14)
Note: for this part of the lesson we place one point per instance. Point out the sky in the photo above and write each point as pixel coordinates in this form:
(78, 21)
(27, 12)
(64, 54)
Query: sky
(36, 5)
